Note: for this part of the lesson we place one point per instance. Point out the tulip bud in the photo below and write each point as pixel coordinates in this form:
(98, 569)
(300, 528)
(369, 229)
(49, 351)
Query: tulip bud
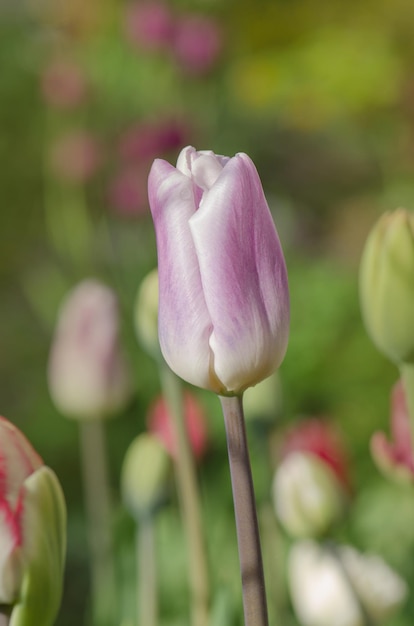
(386, 285)
(395, 459)
(325, 584)
(224, 301)
(307, 496)
(88, 374)
(32, 532)
(146, 314)
(144, 475)
(160, 423)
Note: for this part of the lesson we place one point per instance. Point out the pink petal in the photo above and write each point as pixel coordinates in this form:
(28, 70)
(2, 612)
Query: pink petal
(184, 321)
(243, 276)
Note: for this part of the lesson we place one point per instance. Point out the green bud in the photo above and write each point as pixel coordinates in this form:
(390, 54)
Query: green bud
(387, 285)
(307, 495)
(144, 474)
(146, 314)
(44, 530)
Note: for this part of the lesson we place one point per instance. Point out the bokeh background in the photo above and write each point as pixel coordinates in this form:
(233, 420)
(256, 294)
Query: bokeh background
(321, 96)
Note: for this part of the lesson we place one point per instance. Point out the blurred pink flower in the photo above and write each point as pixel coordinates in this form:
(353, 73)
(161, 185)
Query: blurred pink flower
(128, 193)
(159, 424)
(395, 458)
(76, 156)
(197, 43)
(145, 141)
(149, 25)
(64, 85)
(319, 438)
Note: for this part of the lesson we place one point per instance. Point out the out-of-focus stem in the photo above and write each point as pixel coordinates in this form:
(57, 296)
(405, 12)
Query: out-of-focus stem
(250, 554)
(146, 567)
(189, 501)
(98, 510)
(4, 619)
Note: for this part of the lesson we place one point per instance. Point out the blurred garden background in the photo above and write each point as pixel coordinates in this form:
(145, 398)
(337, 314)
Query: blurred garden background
(321, 96)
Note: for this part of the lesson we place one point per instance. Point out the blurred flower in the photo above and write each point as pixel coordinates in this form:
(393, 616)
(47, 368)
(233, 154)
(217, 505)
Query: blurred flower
(336, 586)
(386, 285)
(307, 496)
(396, 458)
(224, 300)
(144, 141)
(64, 84)
(32, 532)
(146, 314)
(88, 374)
(144, 475)
(76, 156)
(197, 43)
(160, 424)
(149, 25)
(318, 437)
(128, 193)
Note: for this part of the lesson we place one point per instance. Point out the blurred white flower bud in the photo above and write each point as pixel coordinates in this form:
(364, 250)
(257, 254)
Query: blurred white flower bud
(308, 497)
(144, 474)
(341, 587)
(88, 374)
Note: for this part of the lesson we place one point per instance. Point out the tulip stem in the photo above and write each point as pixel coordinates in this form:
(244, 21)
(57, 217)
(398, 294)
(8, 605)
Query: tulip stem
(146, 566)
(5, 616)
(250, 555)
(98, 510)
(189, 501)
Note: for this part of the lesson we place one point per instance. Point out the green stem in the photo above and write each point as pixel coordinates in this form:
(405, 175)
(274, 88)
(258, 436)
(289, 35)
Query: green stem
(407, 375)
(189, 501)
(146, 567)
(98, 510)
(250, 554)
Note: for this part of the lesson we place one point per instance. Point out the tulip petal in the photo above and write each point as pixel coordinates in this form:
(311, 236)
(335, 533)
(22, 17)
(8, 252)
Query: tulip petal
(184, 322)
(243, 276)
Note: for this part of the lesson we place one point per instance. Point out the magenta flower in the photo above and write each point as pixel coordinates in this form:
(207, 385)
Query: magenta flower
(127, 193)
(76, 156)
(64, 85)
(395, 458)
(197, 43)
(224, 300)
(149, 25)
(143, 141)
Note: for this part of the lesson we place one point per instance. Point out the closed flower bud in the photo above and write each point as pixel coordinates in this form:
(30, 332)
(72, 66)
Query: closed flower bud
(32, 532)
(88, 375)
(341, 586)
(308, 498)
(386, 285)
(224, 301)
(144, 475)
(146, 314)
(395, 458)
(160, 423)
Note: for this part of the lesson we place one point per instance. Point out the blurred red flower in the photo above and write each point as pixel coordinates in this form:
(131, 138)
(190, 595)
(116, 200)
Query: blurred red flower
(159, 423)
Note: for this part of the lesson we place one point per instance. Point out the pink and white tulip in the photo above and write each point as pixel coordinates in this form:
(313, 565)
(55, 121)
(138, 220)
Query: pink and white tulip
(32, 532)
(224, 300)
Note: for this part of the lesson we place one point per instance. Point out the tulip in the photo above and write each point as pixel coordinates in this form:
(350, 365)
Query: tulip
(342, 586)
(88, 374)
(308, 497)
(32, 532)
(160, 423)
(395, 458)
(386, 285)
(224, 302)
(144, 475)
